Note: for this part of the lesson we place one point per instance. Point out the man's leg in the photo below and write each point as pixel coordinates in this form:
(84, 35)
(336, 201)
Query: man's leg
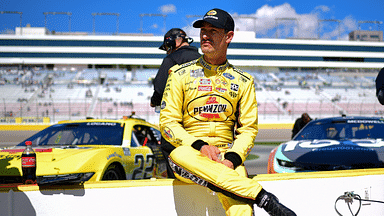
(190, 165)
(235, 207)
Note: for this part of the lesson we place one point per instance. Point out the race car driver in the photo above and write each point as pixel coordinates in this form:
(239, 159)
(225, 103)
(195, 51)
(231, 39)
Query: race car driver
(209, 113)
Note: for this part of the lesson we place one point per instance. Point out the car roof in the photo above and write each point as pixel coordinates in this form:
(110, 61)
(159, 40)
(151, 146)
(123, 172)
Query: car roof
(344, 118)
(127, 120)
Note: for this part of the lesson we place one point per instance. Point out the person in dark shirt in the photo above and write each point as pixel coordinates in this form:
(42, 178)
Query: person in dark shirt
(300, 123)
(380, 86)
(177, 45)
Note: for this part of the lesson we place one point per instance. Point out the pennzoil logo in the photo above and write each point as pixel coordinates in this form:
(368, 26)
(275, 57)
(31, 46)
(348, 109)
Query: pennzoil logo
(167, 132)
(210, 108)
(211, 13)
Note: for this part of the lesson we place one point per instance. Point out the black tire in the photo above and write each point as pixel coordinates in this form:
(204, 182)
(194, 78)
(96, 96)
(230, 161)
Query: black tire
(113, 173)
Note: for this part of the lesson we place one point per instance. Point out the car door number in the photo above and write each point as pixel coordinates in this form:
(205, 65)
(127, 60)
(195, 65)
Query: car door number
(144, 171)
(291, 145)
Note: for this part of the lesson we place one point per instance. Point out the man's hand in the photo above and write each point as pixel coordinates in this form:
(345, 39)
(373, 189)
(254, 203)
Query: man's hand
(211, 152)
(228, 163)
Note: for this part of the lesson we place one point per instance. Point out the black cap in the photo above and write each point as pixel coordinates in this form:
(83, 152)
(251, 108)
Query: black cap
(171, 34)
(218, 18)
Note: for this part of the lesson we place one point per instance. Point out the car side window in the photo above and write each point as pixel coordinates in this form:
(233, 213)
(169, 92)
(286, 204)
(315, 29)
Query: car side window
(142, 135)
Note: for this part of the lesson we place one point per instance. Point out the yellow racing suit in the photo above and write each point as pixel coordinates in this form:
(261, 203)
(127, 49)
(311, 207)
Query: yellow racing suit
(215, 104)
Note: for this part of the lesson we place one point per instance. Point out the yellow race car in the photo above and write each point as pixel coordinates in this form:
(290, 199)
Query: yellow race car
(89, 150)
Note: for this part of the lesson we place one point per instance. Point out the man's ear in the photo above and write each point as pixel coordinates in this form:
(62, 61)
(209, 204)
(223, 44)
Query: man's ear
(230, 35)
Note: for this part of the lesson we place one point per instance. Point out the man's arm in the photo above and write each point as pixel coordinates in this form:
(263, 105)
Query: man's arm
(171, 115)
(247, 127)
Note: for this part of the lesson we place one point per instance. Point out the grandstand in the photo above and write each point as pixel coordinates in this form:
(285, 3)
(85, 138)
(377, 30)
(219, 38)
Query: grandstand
(282, 96)
(74, 77)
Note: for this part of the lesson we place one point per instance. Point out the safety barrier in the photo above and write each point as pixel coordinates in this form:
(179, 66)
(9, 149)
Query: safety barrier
(317, 193)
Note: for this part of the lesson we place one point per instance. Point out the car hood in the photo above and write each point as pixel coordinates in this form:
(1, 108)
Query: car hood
(52, 160)
(333, 154)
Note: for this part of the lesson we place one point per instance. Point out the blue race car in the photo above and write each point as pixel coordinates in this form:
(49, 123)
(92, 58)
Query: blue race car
(337, 143)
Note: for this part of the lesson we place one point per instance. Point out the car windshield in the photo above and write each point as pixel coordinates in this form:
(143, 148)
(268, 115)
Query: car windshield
(90, 133)
(343, 129)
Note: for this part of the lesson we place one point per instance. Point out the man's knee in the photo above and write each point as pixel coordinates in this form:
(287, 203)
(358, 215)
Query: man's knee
(181, 153)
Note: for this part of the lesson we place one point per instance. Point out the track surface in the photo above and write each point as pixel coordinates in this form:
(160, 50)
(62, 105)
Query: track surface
(259, 166)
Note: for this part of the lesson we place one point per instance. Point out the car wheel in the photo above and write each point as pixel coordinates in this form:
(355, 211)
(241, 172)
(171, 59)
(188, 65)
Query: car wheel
(113, 173)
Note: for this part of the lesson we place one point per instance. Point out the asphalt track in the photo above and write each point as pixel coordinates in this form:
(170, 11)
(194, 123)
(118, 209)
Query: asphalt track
(259, 166)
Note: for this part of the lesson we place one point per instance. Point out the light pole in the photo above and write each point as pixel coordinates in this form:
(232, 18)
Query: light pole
(107, 14)
(328, 20)
(69, 14)
(192, 16)
(284, 18)
(15, 12)
(151, 15)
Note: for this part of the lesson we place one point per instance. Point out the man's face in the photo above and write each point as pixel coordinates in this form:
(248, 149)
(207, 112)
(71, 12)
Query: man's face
(212, 39)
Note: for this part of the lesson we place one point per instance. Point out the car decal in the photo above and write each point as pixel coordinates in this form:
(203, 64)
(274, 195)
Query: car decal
(114, 155)
(145, 169)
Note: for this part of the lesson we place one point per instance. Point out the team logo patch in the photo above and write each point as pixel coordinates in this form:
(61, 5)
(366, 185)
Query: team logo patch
(210, 108)
(229, 76)
(243, 79)
(204, 88)
(197, 73)
(234, 87)
(181, 72)
(211, 13)
(222, 90)
(168, 134)
(205, 81)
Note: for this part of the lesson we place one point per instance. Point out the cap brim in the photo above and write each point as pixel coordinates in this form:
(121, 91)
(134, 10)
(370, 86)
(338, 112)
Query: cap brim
(199, 23)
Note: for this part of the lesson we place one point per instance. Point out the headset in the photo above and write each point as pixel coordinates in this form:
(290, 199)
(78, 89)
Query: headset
(170, 42)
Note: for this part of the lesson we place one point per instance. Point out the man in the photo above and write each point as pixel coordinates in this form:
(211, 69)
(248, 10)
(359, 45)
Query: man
(300, 123)
(209, 113)
(177, 45)
(380, 86)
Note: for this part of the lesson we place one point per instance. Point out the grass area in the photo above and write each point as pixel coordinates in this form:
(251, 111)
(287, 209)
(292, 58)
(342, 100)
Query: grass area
(252, 157)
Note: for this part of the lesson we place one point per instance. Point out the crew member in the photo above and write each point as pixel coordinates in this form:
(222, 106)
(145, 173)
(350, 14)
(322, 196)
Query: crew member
(380, 86)
(177, 45)
(300, 123)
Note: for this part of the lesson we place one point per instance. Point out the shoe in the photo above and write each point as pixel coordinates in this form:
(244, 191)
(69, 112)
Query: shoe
(270, 203)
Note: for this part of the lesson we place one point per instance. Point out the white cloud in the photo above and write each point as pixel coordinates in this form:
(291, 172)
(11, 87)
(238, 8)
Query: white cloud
(322, 8)
(167, 9)
(271, 22)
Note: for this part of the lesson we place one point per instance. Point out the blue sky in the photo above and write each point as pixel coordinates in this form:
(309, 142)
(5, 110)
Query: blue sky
(263, 15)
